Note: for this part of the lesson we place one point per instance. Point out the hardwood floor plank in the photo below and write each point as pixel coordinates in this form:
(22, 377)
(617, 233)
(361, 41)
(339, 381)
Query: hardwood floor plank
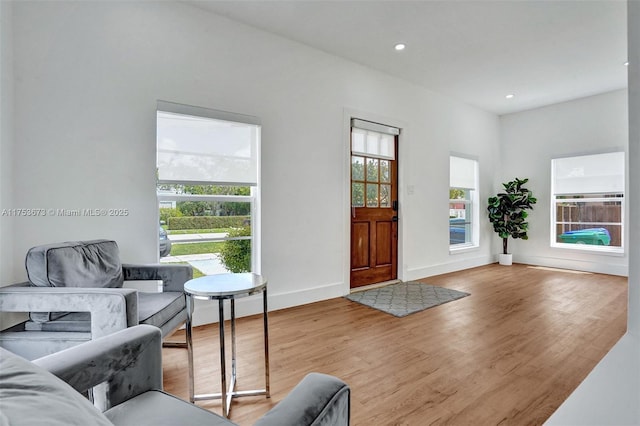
(508, 354)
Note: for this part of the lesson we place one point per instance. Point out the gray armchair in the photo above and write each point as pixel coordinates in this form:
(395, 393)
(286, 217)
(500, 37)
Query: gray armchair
(75, 294)
(130, 361)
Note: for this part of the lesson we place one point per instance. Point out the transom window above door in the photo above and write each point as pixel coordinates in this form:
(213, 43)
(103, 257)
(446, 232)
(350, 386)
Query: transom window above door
(372, 154)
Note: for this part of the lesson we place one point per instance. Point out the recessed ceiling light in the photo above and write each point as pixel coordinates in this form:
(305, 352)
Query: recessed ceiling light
(626, 64)
(399, 46)
(510, 96)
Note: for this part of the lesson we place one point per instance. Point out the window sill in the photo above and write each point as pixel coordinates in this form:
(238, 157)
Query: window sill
(586, 248)
(462, 248)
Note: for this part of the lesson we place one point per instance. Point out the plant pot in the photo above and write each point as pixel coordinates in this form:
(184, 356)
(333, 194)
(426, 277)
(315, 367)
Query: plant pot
(505, 259)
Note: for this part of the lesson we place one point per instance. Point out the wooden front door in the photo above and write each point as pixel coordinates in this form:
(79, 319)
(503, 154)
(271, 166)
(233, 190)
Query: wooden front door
(374, 219)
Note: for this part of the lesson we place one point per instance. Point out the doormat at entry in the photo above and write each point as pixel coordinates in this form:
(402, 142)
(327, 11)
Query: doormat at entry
(406, 298)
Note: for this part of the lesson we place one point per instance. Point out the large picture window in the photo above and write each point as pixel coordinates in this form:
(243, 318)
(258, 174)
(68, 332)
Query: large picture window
(587, 202)
(208, 188)
(463, 202)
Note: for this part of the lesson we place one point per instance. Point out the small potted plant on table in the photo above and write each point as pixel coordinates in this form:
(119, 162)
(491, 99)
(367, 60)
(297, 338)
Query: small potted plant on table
(508, 214)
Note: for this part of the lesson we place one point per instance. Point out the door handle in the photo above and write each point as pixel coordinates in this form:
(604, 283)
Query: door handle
(394, 205)
(394, 219)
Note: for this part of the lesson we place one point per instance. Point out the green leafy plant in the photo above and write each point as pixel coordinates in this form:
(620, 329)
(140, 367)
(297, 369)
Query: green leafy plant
(508, 211)
(236, 254)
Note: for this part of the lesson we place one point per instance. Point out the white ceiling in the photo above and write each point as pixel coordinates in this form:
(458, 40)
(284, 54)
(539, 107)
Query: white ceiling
(544, 52)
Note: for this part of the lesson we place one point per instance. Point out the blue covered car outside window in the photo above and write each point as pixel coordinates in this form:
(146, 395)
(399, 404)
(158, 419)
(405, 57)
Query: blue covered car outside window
(593, 236)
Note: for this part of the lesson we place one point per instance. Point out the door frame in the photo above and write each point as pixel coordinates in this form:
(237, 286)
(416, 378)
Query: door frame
(348, 114)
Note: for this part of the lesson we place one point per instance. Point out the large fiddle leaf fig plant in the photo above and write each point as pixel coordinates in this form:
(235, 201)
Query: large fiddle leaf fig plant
(508, 211)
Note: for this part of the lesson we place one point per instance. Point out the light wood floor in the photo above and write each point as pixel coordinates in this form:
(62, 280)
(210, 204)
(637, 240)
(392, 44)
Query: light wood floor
(508, 354)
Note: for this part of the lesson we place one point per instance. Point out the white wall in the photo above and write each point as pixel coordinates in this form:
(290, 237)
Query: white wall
(425, 224)
(87, 78)
(7, 274)
(530, 139)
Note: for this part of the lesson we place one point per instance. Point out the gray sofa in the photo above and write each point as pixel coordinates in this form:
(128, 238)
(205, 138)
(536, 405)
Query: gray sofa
(75, 293)
(131, 362)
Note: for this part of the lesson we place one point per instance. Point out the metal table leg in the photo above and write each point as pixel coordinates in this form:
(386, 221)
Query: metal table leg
(232, 385)
(227, 392)
(266, 344)
(223, 361)
(189, 335)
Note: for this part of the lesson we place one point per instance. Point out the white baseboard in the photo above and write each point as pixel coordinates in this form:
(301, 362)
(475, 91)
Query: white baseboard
(445, 268)
(577, 265)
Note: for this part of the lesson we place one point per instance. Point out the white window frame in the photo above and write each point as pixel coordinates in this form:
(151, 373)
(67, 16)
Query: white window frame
(589, 195)
(470, 185)
(253, 198)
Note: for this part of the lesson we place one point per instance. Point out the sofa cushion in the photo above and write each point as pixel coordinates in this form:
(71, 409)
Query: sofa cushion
(31, 396)
(73, 264)
(161, 409)
(158, 308)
